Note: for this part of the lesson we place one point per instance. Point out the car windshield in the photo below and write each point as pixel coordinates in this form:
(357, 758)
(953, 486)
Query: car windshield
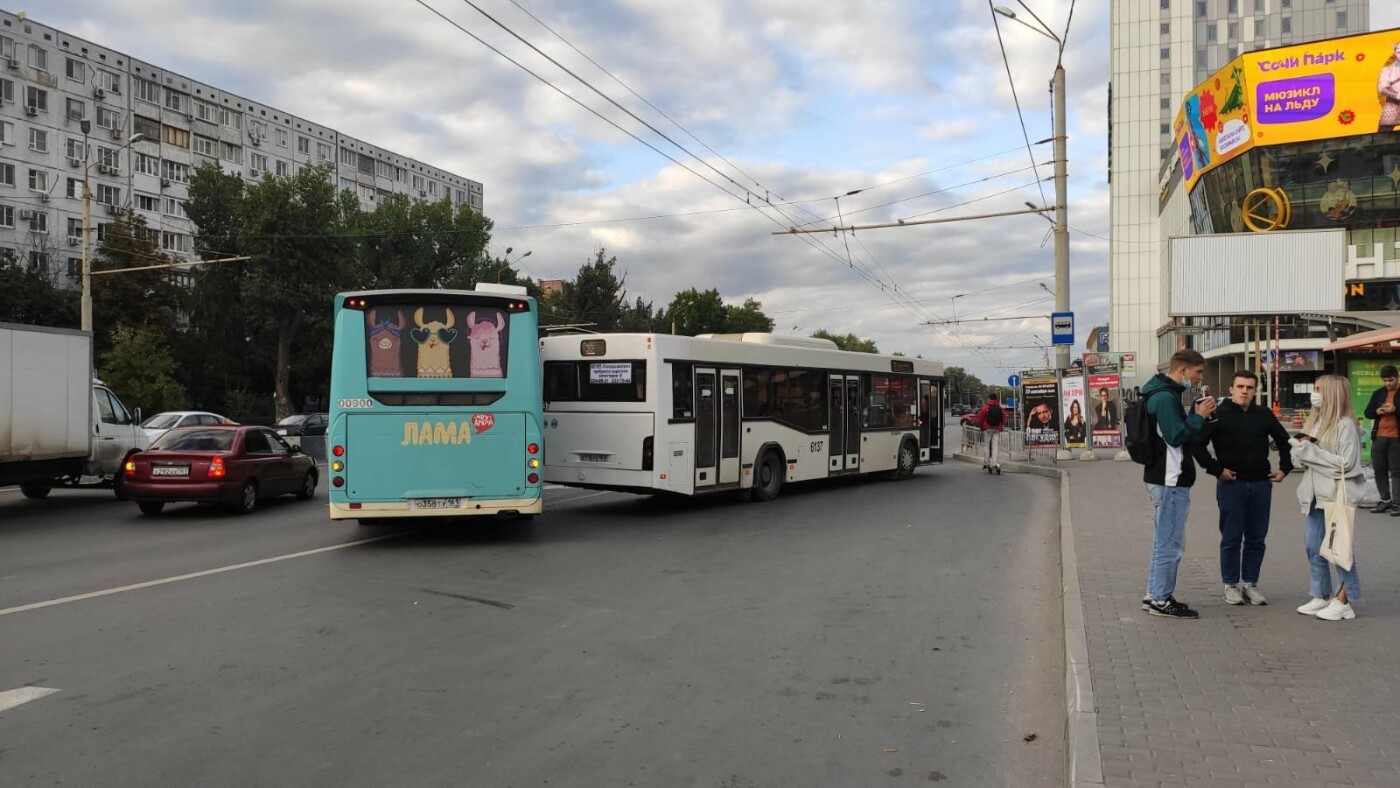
(290, 420)
(162, 421)
(194, 440)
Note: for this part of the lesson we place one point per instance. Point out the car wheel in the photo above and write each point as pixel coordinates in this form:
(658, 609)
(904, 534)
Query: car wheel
(767, 476)
(35, 491)
(119, 484)
(247, 498)
(152, 508)
(308, 487)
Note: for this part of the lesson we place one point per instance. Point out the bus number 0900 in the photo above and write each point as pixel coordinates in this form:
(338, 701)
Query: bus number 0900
(350, 404)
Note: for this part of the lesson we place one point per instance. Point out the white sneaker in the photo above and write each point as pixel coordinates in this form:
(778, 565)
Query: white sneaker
(1317, 603)
(1336, 610)
(1252, 595)
(1233, 596)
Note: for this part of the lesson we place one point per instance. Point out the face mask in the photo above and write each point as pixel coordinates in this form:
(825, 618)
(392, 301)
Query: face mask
(1316, 399)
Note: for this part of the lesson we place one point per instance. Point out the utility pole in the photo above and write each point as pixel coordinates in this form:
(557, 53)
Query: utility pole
(1057, 86)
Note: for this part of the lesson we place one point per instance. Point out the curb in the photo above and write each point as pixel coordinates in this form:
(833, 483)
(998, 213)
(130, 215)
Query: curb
(1084, 766)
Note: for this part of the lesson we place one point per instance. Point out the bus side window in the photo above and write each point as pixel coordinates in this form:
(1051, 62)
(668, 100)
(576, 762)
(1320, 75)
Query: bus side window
(682, 392)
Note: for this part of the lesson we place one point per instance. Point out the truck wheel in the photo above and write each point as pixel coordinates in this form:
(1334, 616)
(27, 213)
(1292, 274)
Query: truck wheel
(35, 491)
(151, 508)
(247, 498)
(767, 476)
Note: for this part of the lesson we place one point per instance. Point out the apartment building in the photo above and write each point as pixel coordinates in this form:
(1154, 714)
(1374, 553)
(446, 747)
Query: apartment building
(70, 107)
(1160, 50)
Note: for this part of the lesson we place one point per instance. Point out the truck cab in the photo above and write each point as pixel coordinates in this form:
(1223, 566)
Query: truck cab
(116, 432)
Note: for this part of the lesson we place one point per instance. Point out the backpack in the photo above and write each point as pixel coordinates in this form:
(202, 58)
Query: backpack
(1138, 423)
(994, 416)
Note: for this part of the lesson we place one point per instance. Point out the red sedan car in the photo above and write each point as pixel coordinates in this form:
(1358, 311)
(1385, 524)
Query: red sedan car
(234, 465)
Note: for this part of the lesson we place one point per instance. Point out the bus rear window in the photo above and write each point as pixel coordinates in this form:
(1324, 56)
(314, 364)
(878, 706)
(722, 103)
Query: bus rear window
(436, 341)
(595, 381)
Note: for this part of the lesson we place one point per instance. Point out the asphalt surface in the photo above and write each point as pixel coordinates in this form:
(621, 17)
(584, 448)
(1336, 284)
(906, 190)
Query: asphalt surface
(858, 633)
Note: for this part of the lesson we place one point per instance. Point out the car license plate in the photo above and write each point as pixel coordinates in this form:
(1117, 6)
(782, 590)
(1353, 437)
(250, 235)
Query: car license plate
(593, 458)
(170, 470)
(436, 503)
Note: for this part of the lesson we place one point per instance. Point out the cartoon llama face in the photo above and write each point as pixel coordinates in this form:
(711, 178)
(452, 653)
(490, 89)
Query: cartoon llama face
(433, 338)
(485, 338)
(385, 339)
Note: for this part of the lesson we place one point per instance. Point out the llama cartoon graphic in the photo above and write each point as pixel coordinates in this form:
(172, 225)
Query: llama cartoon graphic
(433, 338)
(385, 340)
(485, 338)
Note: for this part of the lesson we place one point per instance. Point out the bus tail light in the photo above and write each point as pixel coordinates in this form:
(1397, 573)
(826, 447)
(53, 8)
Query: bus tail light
(648, 452)
(338, 451)
(533, 448)
(338, 482)
(533, 478)
(216, 468)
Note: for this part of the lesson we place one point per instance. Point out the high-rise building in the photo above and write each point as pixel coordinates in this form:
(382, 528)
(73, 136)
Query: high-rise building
(69, 107)
(1160, 50)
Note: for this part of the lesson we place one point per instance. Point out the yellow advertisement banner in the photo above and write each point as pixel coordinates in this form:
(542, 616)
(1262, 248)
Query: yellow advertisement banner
(1340, 87)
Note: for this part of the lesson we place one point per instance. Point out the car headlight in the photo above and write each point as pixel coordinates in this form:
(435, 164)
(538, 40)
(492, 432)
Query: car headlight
(281, 432)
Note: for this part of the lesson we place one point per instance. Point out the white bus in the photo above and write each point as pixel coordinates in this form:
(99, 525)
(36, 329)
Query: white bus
(744, 412)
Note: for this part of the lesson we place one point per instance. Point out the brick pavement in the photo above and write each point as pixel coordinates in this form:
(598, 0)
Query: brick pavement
(1242, 696)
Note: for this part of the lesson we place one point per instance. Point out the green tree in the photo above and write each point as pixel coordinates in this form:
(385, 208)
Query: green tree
(595, 297)
(847, 341)
(27, 296)
(694, 312)
(749, 317)
(141, 367)
(135, 298)
(416, 243)
(640, 317)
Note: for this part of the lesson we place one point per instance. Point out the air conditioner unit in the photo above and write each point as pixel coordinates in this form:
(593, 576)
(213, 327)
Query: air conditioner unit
(99, 93)
(74, 240)
(422, 193)
(113, 209)
(116, 134)
(255, 173)
(13, 63)
(189, 116)
(254, 141)
(75, 162)
(31, 110)
(44, 197)
(164, 182)
(26, 214)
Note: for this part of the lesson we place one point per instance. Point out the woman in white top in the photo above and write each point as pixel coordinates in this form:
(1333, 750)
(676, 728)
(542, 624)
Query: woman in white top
(1328, 448)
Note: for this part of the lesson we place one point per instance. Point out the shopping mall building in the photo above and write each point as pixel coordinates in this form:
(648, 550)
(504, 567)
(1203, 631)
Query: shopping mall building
(1281, 203)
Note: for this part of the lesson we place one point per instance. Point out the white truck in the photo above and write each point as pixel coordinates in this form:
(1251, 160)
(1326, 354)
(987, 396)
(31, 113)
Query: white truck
(59, 426)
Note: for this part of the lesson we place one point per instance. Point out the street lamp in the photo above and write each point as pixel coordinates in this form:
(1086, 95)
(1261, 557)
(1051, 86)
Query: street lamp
(87, 221)
(509, 261)
(1057, 89)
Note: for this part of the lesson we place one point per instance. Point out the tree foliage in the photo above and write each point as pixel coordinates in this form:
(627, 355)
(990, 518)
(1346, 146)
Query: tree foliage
(847, 341)
(139, 364)
(749, 317)
(695, 312)
(27, 296)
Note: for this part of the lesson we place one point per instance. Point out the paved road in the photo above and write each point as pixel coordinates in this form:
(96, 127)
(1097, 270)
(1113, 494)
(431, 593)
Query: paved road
(814, 640)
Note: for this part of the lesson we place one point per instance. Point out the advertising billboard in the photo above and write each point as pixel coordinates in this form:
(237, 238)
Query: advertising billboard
(1339, 87)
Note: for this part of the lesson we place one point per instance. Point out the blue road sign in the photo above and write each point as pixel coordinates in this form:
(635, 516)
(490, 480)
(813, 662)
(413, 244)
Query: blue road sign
(1014, 381)
(1062, 328)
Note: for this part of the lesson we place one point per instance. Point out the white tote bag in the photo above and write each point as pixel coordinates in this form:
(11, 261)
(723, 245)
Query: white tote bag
(1338, 523)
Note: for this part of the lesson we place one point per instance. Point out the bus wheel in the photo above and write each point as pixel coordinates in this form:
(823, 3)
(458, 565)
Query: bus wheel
(34, 491)
(767, 476)
(906, 461)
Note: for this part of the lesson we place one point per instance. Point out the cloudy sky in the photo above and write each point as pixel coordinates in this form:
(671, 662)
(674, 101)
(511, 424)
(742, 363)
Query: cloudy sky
(790, 102)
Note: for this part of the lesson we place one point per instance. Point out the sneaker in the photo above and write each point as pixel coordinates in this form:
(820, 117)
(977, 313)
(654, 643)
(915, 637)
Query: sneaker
(1383, 507)
(1147, 602)
(1313, 605)
(1233, 596)
(1395, 511)
(1170, 608)
(1336, 610)
(1252, 595)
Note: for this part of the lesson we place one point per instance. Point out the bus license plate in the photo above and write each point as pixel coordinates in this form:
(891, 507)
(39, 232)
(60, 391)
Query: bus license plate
(593, 457)
(436, 503)
(182, 470)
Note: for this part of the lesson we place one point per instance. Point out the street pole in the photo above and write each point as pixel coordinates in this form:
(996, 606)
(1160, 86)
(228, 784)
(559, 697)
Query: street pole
(1057, 86)
(87, 239)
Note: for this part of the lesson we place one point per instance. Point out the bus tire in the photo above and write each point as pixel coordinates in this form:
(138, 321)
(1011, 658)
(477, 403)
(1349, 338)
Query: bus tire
(35, 491)
(767, 476)
(906, 460)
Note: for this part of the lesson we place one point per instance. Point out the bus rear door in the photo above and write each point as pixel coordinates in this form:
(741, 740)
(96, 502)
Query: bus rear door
(717, 425)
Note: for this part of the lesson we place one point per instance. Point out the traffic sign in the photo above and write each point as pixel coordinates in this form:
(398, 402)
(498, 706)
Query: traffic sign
(1014, 381)
(1062, 328)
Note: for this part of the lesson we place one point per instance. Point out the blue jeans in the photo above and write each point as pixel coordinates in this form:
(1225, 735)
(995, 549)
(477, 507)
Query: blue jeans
(1170, 505)
(1244, 517)
(1321, 568)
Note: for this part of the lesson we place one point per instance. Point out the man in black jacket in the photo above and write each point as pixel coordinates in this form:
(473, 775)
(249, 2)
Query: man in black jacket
(1385, 438)
(1240, 431)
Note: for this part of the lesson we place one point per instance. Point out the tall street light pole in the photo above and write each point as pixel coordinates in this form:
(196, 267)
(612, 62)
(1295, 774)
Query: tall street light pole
(510, 262)
(1057, 90)
(87, 221)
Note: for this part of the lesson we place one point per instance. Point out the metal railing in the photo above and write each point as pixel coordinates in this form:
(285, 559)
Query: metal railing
(1012, 446)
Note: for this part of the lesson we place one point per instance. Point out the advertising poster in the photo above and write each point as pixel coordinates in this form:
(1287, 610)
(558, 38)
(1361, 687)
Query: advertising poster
(1336, 88)
(1040, 398)
(1126, 363)
(1105, 405)
(1072, 411)
(1364, 374)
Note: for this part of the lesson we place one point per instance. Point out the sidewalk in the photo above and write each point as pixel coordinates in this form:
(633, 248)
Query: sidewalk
(1243, 696)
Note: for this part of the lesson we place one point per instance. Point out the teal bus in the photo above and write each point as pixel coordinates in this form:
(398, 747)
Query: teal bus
(435, 405)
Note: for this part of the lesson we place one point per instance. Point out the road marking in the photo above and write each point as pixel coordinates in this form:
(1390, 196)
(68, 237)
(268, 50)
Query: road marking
(21, 696)
(191, 576)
